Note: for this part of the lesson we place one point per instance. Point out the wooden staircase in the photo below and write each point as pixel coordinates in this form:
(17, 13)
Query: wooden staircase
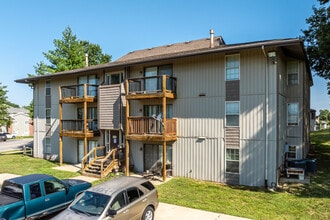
(101, 165)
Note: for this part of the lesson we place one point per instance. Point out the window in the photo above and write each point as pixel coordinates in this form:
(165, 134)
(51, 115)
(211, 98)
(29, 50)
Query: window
(114, 78)
(153, 82)
(35, 191)
(292, 70)
(47, 145)
(48, 116)
(155, 110)
(48, 89)
(133, 194)
(52, 186)
(48, 94)
(92, 82)
(118, 202)
(292, 152)
(91, 117)
(232, 67)
(232, 114)
(232, 160)
(293, 113)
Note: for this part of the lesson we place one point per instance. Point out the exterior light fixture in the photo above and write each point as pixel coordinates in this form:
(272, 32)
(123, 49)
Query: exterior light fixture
(272, 56)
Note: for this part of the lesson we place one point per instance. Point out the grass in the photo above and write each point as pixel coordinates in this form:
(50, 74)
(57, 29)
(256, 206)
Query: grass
(293, 202)
(23, 165)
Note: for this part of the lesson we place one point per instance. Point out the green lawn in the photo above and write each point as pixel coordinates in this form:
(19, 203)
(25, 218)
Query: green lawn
(22, 165)
(293, 202)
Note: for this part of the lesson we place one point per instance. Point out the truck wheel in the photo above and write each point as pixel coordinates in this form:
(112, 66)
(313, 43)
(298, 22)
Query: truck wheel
(148, 214)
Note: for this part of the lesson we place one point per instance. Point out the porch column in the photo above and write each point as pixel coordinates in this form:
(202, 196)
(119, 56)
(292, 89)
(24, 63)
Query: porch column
(61, 150)
(164, 127)
(127, 132)
(61, 128)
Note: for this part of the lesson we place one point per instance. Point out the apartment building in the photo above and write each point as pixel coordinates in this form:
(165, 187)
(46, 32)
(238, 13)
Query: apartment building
(208, 110)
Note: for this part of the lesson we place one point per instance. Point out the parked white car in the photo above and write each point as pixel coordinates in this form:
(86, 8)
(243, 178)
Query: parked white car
(10, 136)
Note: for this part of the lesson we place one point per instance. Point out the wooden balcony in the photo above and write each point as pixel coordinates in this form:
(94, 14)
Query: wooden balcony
(151, 87)
(150, 129)
(78, 93)
(75, 128)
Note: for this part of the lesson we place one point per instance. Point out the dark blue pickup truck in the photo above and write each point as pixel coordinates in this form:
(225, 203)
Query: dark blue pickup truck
(37, 195)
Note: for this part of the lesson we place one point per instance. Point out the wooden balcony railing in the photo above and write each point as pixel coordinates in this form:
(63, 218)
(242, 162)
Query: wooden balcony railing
(150, 126)
(79, 91)
(151, 85)
(77, 127)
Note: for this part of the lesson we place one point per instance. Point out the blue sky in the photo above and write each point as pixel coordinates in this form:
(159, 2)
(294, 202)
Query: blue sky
(28, 29)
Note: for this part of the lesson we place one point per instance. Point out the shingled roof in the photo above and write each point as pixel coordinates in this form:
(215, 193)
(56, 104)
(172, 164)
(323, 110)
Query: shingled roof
(177, 48)
(293, 47)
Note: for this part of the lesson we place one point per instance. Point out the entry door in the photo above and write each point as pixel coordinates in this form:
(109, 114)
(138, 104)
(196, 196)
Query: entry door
(90, 146)
(80, 150)
(114, 139)
(81, 80)
(152, 153)
(151, 83)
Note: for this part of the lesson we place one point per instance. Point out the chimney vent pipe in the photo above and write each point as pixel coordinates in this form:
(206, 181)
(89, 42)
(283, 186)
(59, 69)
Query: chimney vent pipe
(211, 38)
(86, 60)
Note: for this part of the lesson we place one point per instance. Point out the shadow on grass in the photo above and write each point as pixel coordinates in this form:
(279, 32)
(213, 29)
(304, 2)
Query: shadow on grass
(320, 184)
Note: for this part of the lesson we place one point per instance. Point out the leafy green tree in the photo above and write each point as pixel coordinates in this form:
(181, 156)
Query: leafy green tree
(69, 53)
(317, 38)
(4, 115)
(30, 109)
(324, 115)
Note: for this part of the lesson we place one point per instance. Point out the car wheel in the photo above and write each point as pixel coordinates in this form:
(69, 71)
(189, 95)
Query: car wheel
(148, 214)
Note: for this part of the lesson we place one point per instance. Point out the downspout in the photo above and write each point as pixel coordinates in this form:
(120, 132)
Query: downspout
(266, 114)
(35, 122)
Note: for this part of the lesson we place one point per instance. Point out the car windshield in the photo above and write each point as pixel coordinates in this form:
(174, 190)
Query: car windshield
(90, 203)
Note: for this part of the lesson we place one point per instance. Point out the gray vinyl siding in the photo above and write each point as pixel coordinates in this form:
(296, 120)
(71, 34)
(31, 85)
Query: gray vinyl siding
(109, 107)
(253, 117)
(199, 159)
(252, 167)
(199, 117)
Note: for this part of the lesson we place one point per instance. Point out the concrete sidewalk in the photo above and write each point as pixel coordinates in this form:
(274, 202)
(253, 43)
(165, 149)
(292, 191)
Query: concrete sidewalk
(168, 211)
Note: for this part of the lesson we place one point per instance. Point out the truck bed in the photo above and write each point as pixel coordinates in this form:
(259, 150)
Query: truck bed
(4, 199)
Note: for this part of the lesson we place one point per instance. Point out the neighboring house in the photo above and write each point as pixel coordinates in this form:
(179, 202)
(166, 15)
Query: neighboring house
(21, 122)
(312, 120)
(212, 111)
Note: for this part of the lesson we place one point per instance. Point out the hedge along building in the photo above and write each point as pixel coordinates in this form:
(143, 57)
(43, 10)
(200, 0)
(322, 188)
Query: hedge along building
(212, 111)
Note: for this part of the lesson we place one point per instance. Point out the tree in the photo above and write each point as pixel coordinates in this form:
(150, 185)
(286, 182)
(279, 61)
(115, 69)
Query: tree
(69, 53)
(30, 109)
(317, 38)
(4, 115)
(324, 115)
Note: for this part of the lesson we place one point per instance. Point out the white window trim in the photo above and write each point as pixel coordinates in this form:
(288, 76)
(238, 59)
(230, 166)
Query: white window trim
(239, 112)
(293, 73)
(287, 112)
(239, 163)
(48, 146)
(239, 66)
(108, 75)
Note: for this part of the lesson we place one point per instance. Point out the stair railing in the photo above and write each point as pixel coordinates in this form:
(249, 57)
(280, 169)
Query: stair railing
(108, 168)
(85, 163)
